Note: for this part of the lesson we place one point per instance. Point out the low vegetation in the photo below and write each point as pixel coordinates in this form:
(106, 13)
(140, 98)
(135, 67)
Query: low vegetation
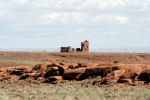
(73, 90)
(18, 58)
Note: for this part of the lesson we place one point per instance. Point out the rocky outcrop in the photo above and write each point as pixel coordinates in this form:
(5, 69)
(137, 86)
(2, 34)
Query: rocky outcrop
(55, 72)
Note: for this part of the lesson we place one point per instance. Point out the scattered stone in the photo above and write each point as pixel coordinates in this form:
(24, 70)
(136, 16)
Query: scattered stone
(145, 76)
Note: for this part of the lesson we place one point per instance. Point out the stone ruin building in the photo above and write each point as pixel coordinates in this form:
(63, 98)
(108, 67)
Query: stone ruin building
(84, 48)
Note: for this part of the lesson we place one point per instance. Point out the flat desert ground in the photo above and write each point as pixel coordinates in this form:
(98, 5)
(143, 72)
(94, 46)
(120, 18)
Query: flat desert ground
(39, 76)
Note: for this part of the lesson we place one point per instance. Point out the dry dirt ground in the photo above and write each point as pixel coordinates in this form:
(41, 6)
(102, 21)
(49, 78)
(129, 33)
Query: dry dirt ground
(11, 87)
(29, 58)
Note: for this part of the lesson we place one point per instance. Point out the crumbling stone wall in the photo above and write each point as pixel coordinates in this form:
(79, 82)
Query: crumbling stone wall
(78, 49)
(65, 49)
(84, 48)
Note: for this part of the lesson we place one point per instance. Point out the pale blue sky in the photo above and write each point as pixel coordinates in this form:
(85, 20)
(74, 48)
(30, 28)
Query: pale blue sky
(54, 23)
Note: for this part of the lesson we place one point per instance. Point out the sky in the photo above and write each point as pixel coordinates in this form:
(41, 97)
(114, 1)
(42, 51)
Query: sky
(53, 23)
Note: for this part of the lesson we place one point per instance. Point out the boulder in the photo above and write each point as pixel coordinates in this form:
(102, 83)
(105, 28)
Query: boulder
(145, 76)
(73, 74)
(127, 77)
(96, 71)
(52, 65)
(40, 79)
(54, 71)
(115, 68)
(117, 73)
(79, 65)
(16, 72)
(38, 68)
(19, 70)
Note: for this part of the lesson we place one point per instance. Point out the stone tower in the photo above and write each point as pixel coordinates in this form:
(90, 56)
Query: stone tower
(85, 46)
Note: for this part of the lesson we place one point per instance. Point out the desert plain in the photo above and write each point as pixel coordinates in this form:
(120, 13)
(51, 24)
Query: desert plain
(74, 76)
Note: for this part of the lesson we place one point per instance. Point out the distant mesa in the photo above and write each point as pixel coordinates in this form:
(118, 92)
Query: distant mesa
(84, 48)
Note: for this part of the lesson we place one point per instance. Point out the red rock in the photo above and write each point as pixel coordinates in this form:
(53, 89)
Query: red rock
(54, 71)
(96, 71)
(145, 76)
(73, 74)
(116, 74)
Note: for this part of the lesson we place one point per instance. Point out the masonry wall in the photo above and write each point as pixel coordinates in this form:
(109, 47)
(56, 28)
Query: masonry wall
(65, 49)
(84, 48)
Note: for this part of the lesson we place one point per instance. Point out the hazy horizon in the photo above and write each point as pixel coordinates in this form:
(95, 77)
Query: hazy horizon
(134, 50)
